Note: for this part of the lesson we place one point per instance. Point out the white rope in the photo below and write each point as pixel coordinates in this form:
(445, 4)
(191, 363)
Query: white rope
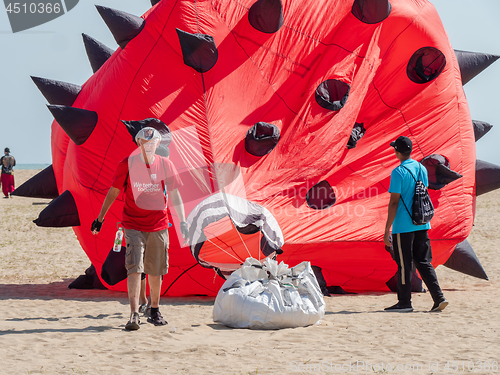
(248, 251)
(239, 260)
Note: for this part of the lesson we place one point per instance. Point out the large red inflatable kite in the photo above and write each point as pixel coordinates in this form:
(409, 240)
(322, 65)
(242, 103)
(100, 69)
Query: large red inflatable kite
(280, 115)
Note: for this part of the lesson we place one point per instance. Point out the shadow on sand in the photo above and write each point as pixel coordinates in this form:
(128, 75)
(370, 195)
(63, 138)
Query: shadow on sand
(60, 291)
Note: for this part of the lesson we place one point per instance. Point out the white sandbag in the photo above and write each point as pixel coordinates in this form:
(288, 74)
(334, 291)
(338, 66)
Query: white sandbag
(270, 296)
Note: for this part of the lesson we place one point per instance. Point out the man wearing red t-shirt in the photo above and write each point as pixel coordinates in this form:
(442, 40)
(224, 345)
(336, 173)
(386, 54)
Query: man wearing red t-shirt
(145, 179)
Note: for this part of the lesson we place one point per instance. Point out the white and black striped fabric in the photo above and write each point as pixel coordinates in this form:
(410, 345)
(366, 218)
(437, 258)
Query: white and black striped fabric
(247, 217)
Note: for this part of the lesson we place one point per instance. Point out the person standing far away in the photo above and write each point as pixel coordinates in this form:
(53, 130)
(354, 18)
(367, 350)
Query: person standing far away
(145, 178)
(8, 162)
(410, 242)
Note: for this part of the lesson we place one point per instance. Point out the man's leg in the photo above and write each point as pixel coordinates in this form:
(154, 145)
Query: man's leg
(5, 185)
(422, 255)
(143, 298)
(402, 245)
(156, 265)
(154, 290)
(12, 187)
(135, 267)
(134, 287)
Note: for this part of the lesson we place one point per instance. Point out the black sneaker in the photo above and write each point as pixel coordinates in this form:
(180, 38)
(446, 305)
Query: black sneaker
(439, 306)
(157, 319)
(133, 323)
(399, 308)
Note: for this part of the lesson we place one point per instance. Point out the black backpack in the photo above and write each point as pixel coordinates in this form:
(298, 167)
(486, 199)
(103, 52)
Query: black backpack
(422, 208)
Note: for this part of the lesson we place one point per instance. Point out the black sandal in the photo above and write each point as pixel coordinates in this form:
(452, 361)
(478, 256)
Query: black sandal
(157, 319)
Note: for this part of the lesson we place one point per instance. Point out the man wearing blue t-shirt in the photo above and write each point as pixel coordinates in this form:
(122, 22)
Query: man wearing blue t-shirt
(409, 241)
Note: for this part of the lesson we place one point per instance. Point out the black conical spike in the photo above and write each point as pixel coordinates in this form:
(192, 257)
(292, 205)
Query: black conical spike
(61, 212)
(198, 50)
(472, 63)
(76, 122)
(487, 177)
(57, 92)
(154, 2)
(123, 26)
(41, 185)
(97, 52)
(266, 16)
(463, 259)
(480, 129)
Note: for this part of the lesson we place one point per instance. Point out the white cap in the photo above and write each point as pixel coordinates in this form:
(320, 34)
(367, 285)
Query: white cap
(147, 134)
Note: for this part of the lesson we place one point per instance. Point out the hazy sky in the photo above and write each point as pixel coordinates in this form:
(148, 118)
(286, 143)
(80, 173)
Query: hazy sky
(55, 50)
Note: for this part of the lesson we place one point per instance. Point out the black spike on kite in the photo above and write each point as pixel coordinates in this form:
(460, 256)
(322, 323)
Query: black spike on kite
(57, 92)
(463, 259)
(41, 185)
(198, 50)
(487, 177)
(61, 212)
(480, 129)
(473, 63)
(76, 122)
(266, 16)
(154, 2)
(123, 26)
(97, 52)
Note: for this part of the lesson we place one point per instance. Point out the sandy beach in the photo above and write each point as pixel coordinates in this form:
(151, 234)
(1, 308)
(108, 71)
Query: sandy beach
(46, 328)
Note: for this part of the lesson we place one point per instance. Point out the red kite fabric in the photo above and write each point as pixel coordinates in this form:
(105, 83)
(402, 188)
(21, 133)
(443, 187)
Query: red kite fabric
(281, 115)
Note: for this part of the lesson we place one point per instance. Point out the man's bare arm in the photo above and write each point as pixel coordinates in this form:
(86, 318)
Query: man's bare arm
(391, 214)
(175, 196)
(108, 201)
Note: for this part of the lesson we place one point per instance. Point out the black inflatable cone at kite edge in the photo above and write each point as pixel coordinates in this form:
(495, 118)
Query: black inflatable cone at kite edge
(113, 269)
(464, 259)
(124, 26)
(487, 177)
(480, 129)
(473, 63)
(97, 52)
(154, 2)
(89, 280)
(61, 212)
(57, 92)
(76, 122)
(41, 185)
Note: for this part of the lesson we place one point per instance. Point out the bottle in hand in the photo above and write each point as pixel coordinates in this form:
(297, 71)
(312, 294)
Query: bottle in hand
(118, 240)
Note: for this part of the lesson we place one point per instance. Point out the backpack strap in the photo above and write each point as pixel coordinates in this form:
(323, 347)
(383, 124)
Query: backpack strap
(402, 200)
(410, 173)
